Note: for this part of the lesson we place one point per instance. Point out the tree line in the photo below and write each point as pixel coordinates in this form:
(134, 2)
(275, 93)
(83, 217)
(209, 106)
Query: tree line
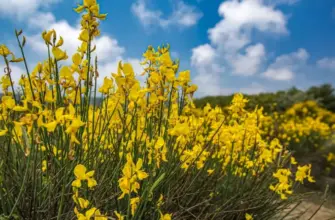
(324, 95)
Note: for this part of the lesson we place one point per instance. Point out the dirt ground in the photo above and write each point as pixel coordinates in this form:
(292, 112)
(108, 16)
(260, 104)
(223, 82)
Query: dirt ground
(307, 209)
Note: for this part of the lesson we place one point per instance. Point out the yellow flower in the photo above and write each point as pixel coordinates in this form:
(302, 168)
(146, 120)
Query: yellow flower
(5, 81)
(81, 174)
(4, 51)
(65, 73)
(304, 172)
(140, 174)
(293, 161)
(210, 171)
(73, 128)
(59, 54)
(47, 36)
(134, 203)
(106, 86)
(99, 216)
(283, 187)
(184, 77)
(22, 108)
(44, 165)
(16, 60)
(180, 129)
(92, 212)
(48, 97)
(248, 217)
(75, 125)
(76, 59)
(128, 70)
(165, 216)
(83, 203)
(8, 102)
(60, 42)
(3, 132)
(160, 142)
(160, 200)
(119, 216)
(89, 3)
(131, 173)
(330, 157)
(51, 126)
(84, 36)
(79, 9)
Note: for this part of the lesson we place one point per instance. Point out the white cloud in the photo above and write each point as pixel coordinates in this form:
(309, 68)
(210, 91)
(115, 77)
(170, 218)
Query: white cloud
(327, 63)
(41, 20)
(281, 73)
(254, 88)
(20, 9)
(17, 71)
(147, 17)
(249, 63)
(239, 18)
(285, 66)
(203, 55)
(107, 48)
(208, 84)
(231, 44)
(208, 70)
(109, 51)
(183, 15)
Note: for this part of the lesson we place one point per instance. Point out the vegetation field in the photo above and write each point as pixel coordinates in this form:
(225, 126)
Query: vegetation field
(74, 149)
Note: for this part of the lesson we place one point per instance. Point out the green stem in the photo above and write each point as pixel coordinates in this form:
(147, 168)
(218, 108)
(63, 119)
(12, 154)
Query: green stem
(26, 66)
(23, 182)
(10, 78)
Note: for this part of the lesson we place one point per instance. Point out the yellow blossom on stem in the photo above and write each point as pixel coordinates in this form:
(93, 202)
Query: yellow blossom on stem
(81, 175)
(248, 216)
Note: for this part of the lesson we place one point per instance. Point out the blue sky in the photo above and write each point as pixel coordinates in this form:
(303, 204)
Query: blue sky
(230, 46)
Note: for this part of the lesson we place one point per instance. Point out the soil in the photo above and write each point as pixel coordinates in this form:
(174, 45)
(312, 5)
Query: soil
(313, 208)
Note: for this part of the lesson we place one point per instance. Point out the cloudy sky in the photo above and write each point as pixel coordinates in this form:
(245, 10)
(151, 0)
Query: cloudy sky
(248, 46)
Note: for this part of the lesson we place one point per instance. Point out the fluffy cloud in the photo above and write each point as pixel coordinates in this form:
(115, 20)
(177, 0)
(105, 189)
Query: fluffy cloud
(240, 18)
(208, 70)
(108, 48)
(21, 8)
(203, 55)
(285, 66)
(249, 63)
(280, 73)
(327, 63)
(183, 15)
(109, 51)
(17, 71)
(254, 88)
(231, 42)
(41, 20)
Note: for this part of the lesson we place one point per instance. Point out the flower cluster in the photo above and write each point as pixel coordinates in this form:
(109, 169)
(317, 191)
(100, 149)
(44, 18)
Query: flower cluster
(81, 203)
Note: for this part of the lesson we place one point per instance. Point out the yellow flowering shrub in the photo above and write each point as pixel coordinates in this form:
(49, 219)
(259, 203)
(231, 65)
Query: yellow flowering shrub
(305, 127)
(139, 152)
